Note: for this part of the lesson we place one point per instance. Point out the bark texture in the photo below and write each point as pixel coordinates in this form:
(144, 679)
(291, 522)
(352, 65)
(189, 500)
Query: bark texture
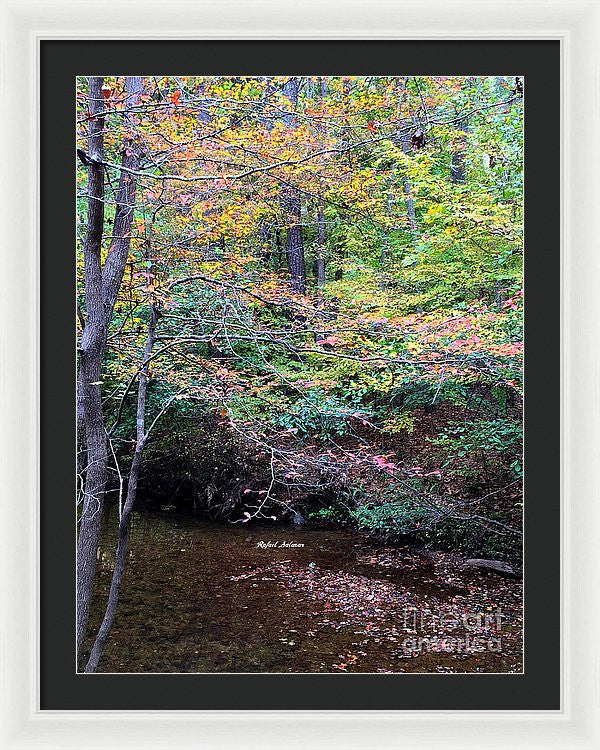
(292, 205)
(457, 164)
(406, 146)
(294, 248)
(321, 240)
(90, 420)
(123, 541)
(101, 288)
(321, 249)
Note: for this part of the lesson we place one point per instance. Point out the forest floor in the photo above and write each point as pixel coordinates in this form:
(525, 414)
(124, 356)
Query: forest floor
(417, 605)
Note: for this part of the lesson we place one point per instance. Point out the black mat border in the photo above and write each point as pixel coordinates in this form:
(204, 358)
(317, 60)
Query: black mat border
(539, 687)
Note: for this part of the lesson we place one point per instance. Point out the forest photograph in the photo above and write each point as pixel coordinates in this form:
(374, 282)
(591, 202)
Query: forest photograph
(299, 341)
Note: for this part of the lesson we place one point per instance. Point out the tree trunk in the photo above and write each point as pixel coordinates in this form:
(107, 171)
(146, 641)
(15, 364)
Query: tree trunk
(293, 210)
(123, 542)
(90, 421)
(385, 245)
(321, 243)
(321, 248)
(294, 249)
(457, 164)
(408, 194)
(101, 288)
(405, 142)
(345, 139)
(498, 294)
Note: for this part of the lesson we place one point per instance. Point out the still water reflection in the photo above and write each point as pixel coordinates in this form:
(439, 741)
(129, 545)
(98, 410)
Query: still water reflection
(198, 597)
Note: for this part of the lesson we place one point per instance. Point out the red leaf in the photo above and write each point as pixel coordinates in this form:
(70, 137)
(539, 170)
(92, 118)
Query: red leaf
(176, 96)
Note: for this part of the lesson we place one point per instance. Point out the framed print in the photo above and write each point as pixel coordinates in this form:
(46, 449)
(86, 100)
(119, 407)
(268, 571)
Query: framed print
(304, 314)
(306, 365)
(356, 477)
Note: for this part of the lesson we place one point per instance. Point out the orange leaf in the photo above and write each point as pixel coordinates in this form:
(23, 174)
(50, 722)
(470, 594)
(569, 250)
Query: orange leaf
(176, 97)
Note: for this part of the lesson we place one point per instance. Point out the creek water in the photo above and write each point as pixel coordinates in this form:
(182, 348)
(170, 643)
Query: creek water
(199, 597)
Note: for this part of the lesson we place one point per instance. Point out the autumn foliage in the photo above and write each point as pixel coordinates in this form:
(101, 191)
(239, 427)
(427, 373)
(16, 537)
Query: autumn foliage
(388, 393)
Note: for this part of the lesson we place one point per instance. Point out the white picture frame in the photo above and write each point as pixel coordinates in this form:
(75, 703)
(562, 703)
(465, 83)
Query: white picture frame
(24, 25)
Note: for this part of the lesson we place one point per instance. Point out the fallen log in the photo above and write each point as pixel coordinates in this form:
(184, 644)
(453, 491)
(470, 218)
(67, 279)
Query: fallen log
(494, 566)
